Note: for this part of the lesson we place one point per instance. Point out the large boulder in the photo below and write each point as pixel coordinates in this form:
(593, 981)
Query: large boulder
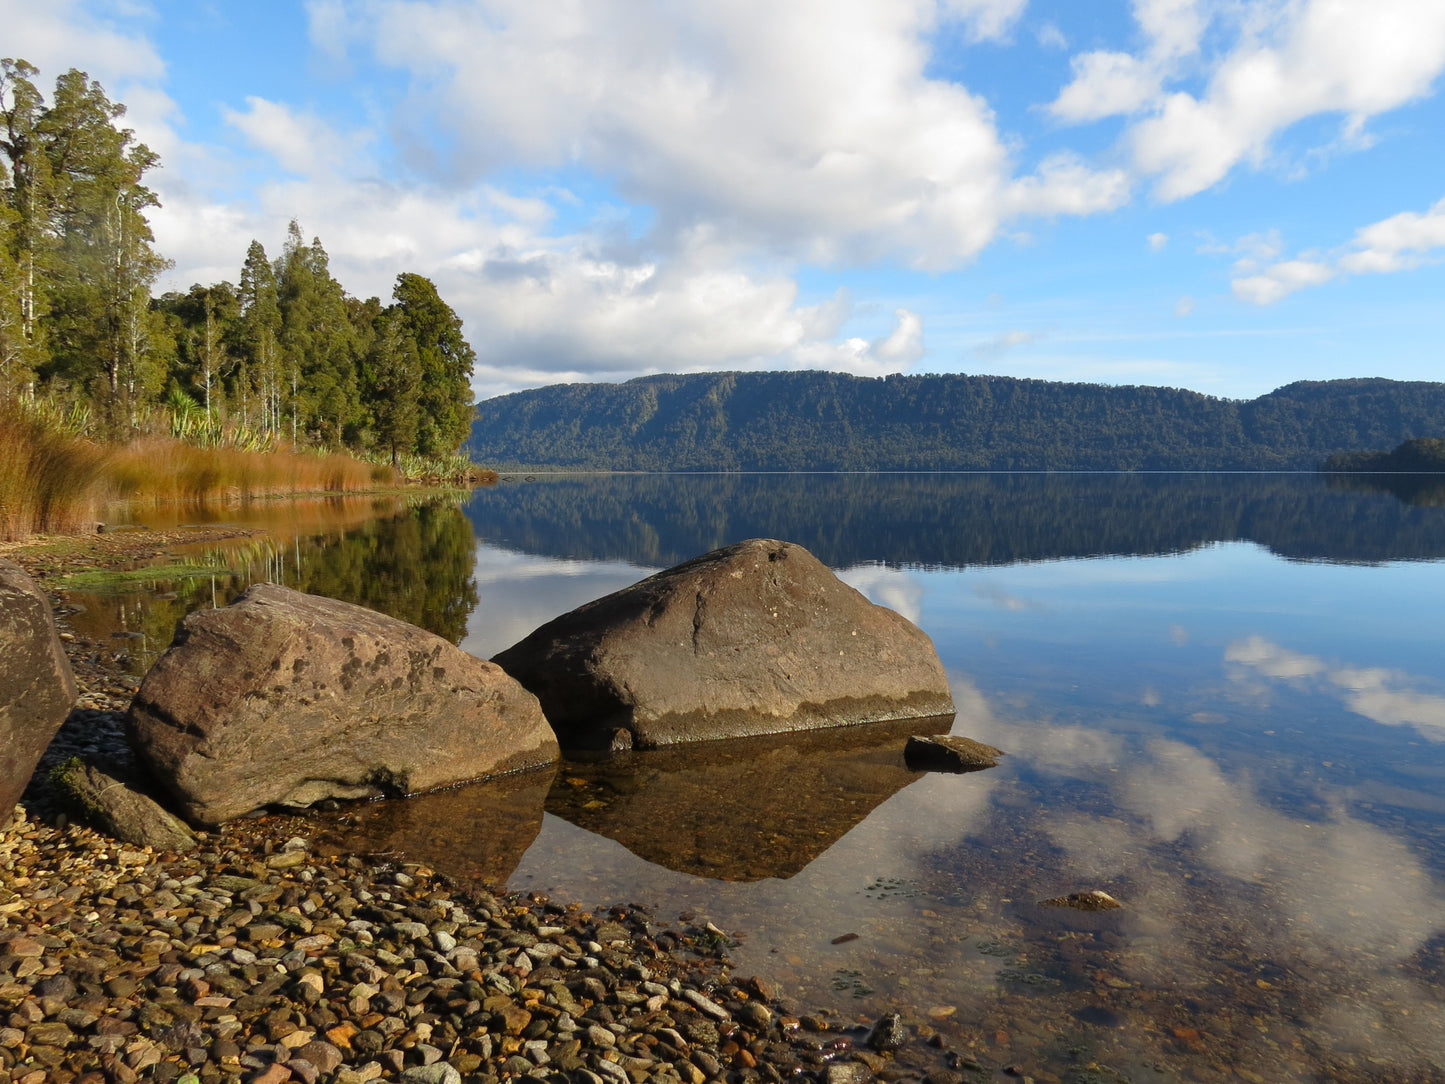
(756, 638)
(37, 689)
(284, 698)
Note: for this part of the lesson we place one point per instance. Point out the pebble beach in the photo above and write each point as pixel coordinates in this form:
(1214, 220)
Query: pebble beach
(257, 958)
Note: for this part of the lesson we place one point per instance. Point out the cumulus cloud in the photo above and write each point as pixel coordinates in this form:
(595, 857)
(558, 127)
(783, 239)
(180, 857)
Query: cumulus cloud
(65, 34)
(1280, 280)
(299, 142)
(1284, 61)
(1157, 241)
(808, 129)
(1401, 242)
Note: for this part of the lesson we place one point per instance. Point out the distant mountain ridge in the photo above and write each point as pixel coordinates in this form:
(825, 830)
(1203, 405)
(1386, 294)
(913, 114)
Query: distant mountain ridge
(833, 421)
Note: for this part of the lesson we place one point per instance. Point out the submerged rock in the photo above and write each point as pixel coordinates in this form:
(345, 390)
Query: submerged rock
(37, 688)
(284, 698)
(1084, 901)
(756, 638)
(948, 753)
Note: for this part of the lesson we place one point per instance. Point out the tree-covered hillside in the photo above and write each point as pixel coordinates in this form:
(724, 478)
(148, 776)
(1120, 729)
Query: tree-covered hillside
(832, 421)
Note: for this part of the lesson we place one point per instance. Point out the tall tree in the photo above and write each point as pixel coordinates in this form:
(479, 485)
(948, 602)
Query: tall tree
(259, 338)
(445, 393)
(319, 344)
(394, 385)
(101, 286)
(29, 239)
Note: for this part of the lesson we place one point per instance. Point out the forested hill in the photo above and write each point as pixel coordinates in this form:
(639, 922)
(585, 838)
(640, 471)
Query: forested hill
(832, 421)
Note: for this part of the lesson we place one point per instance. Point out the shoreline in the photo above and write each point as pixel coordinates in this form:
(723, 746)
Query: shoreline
(255, 958)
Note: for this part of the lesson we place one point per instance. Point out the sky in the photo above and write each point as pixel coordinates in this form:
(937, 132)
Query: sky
(1222, 195)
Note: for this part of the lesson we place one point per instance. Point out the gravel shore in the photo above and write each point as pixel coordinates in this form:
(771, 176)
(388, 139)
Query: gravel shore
(254, 958)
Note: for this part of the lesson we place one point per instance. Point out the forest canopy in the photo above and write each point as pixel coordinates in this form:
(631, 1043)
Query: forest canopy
(283, 354)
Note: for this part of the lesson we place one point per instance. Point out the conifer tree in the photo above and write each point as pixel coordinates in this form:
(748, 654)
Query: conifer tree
(259, 339)
(445, 393)
(319, 343)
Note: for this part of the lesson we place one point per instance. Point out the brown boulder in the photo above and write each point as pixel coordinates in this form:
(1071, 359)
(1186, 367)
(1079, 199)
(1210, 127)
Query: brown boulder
(37, 689)
(284, 698)
(755, 638)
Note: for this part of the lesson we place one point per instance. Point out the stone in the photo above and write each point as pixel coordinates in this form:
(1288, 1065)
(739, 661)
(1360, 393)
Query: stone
(120, 812)
(436, 1073)
(287, 699)
(888, 1033)
(948, 753)
(1096, 900)
(37, 688)
(755, 638)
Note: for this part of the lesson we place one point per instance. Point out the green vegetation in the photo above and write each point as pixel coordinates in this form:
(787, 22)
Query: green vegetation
(287, 358)
(831, 421)
(1423, 455)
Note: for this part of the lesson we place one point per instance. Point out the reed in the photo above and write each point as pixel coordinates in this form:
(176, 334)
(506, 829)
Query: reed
(54, 480)
(49, 477)
(161, 469)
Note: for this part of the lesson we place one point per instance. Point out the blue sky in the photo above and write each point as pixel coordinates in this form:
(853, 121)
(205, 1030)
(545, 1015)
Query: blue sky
(1224, 195)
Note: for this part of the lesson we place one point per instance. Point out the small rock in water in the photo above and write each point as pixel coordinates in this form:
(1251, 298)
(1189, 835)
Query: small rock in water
(1084, 901)
(948, 753)
(888, 1033)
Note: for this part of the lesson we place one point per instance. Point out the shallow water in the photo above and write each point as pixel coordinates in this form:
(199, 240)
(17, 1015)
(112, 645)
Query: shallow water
(1222, 700)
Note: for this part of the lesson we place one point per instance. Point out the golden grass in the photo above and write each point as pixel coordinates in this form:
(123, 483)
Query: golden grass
(50, 480)
(161, 469)
(53, 482)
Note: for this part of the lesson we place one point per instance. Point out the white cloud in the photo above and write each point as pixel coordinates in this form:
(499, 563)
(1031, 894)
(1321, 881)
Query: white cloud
(1398, 243)
(808, 129)
(1106, 84)
(64, 34)
(1281, 279)
(1065, 184)
(1002, 344)
(300, 143)
(1049, 36)
(986, 19)
(1184, 306)
(1157, 241)
(1285, 61)
(1401, 242)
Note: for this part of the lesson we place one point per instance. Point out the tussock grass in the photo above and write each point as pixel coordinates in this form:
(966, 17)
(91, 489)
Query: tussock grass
(162, 469)
(50, 479)
(54, 481)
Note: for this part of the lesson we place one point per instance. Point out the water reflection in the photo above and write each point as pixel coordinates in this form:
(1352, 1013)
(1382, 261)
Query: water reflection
(1387, 697)
(476, 833)
(741, 810)
(1245, 751)
(412, 562)
(959, 520)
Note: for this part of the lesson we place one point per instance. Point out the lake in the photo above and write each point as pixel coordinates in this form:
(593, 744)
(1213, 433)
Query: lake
(1222, 699)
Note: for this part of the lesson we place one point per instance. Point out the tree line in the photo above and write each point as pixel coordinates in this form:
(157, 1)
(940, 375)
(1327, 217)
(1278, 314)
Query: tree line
(948, 421)
(283, 354)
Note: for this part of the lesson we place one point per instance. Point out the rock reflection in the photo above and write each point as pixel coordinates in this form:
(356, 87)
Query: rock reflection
(476, 833)
(740, 810)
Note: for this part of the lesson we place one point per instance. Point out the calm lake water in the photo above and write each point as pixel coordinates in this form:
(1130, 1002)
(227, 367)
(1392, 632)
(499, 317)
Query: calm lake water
(1222, 698)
